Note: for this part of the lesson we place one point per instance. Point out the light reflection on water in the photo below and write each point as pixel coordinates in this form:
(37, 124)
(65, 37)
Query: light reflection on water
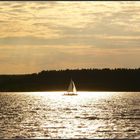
(52, 115)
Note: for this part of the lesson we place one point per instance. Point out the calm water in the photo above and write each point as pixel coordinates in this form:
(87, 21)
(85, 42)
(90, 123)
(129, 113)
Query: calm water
(88, 115)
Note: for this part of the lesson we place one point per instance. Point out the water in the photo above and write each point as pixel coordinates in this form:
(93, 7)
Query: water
(52, 115)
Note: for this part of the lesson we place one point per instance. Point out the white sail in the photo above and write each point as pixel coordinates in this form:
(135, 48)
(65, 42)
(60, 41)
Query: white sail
(71, 88)
(74, 88)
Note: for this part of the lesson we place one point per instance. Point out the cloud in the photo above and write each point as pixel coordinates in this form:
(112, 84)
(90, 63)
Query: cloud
(101, 41)
(56, 35)
(62, 18)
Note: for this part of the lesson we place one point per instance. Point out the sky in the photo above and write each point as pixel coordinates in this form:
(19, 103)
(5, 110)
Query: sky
(36, 36)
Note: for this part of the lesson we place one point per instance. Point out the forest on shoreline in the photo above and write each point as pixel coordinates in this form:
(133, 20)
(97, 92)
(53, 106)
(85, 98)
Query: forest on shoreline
(85, 80)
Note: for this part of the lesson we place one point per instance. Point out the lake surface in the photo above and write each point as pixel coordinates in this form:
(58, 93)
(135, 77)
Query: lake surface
(52, 115)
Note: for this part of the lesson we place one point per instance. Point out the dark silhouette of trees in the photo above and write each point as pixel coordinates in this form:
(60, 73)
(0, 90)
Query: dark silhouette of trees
(85, 80)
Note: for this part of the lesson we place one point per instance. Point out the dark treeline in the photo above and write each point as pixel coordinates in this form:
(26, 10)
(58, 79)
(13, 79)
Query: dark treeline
(85, 80)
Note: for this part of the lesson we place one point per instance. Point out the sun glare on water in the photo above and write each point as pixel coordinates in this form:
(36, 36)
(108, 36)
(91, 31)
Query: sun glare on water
(87, 115)
(59, 96)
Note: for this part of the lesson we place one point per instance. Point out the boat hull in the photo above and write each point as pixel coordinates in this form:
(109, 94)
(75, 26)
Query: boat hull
(70, 94)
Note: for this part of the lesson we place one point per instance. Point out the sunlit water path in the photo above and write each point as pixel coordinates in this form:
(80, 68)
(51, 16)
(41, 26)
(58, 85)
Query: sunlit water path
(52, 115)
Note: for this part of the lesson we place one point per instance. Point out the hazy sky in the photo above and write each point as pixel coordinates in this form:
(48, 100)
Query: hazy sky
(37, 36)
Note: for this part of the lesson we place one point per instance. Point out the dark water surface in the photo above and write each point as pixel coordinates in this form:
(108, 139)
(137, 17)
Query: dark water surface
(52, 115)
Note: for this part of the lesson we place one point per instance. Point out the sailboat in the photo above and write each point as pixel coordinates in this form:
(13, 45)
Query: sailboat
(71, 89)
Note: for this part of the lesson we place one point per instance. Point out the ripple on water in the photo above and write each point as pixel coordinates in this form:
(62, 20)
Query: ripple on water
(32, 116)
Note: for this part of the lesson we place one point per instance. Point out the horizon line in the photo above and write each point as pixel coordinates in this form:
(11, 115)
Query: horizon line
(105, 68)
